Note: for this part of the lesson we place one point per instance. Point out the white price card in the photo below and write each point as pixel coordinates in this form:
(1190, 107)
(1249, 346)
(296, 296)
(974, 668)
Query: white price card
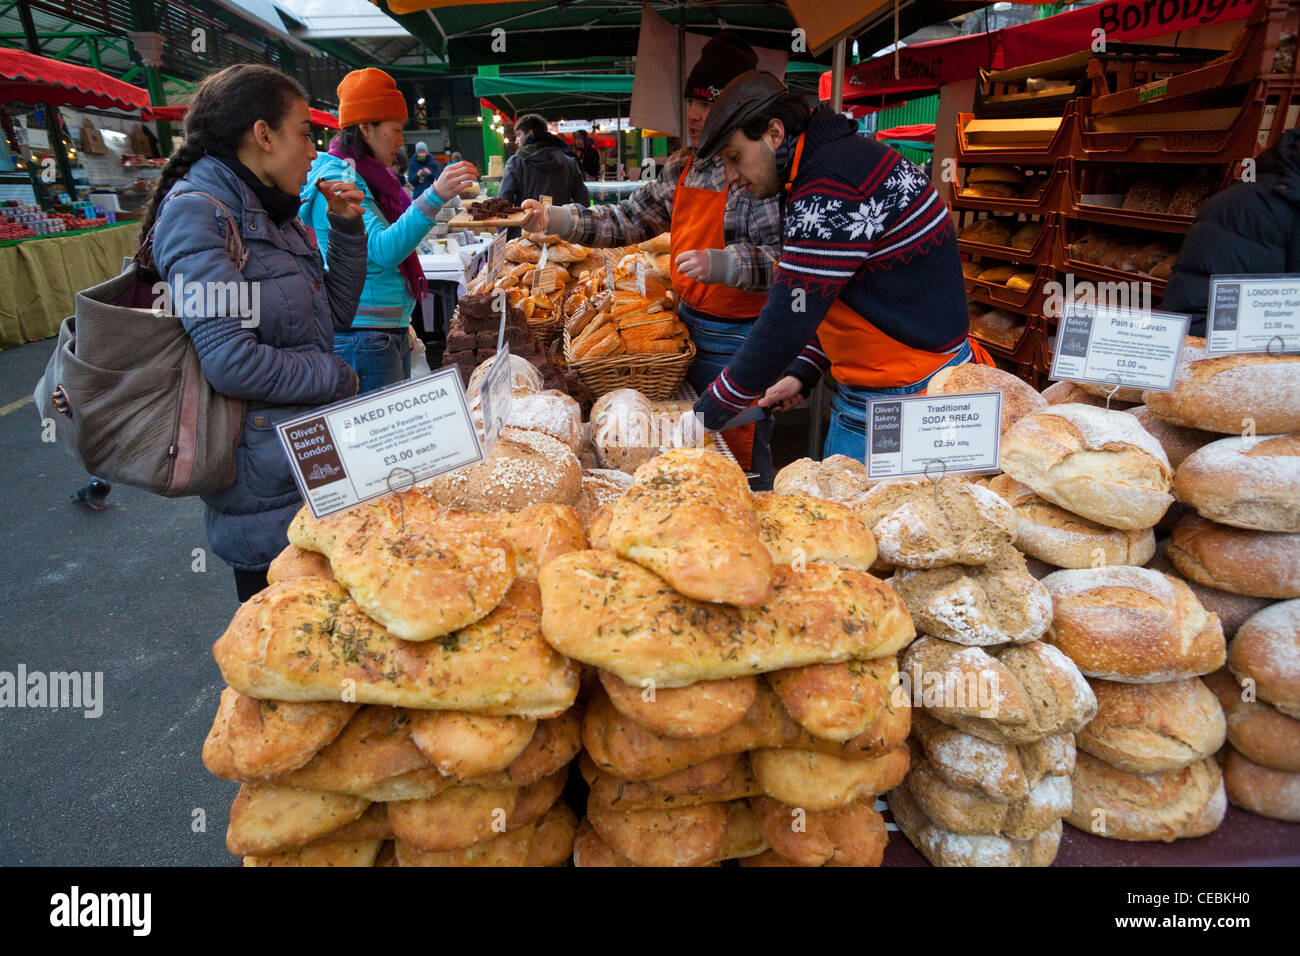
(383, 441)
(544, 280)
(1254, 313)
(1134, 347)
(495, 398)
(496, 256)
(933, 435)
(640, 277)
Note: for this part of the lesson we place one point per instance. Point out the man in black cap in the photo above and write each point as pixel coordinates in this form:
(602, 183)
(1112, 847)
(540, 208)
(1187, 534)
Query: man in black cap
(869, 282)
(724, 244)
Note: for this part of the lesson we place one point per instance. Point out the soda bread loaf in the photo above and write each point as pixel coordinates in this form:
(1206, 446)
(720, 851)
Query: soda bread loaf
(923, 524)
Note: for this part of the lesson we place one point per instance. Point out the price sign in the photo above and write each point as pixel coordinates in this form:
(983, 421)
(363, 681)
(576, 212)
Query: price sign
(905, 436)
(640, 278)
(544, 280)
(1259, 313)
(496, 255)
(383, 441)
(609, 273)
(1132, 347)
(495, 398)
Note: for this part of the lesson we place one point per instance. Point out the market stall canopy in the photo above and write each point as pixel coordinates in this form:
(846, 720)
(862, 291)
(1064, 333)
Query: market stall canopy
(915, 133)
(824, 23)
(174, 114)
(921, 68)
(28, 78)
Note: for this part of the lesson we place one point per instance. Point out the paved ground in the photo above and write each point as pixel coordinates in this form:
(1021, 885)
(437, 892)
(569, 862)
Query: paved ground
(114, 592)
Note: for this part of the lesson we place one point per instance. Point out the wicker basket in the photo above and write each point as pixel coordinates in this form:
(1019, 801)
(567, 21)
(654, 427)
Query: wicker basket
(656, 376)
(548, 330)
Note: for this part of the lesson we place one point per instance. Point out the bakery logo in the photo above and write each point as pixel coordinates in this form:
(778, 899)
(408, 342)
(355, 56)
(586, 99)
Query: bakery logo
(37, 690)
(323, 472)
(950, 690)
(1129, 296)
(196, 300)
(315, 453)
(76, 909)
(886, 428)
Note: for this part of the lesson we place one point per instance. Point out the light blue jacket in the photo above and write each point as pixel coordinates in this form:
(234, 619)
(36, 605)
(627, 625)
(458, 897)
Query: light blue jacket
(385, 303)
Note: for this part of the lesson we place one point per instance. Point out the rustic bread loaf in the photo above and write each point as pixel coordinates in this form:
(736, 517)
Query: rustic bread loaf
(1018, 397)
(1263, 734)
(838, 478)
(1096, 463)
(608, 791)
(1245, 482)
(1132, 625)
(1002, 772)
(1225, 393)
(1262, 564)
(820, 781)
(1148, 727)
(972, 812)
(1267, 651)
(1259, 789)
(854, 835)
(918, 523)
(1166, 805)
(837, 701)
(1233, 609)
(1177, 441)
(802, 529)
(945, 848)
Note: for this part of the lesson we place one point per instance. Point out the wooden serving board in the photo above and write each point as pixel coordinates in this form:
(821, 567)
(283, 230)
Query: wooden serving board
(463, 219)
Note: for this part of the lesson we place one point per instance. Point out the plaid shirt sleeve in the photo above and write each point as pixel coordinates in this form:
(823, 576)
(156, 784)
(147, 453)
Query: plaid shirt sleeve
(644, 215)
(752, 228)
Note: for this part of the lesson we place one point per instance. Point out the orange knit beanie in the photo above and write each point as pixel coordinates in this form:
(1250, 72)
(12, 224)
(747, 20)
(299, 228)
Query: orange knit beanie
(370, 96)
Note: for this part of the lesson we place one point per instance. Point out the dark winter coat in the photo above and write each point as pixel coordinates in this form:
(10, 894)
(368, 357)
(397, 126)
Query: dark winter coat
(1247, 228)
(284, 365)
(544, 167)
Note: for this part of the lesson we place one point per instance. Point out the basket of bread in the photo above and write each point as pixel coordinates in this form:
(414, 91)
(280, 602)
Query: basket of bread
(622, 331)
(536, 274)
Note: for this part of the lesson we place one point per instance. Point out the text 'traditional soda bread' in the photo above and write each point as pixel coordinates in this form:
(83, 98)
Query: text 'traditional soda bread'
(1261, 790)
(1132, 625)
(1065, 540)
(1262, 733)
(1262, 564)
(1018, 397)
(944, 848)
(1166, 805)
(1148, 727)
(1245, 482)
(1267, 652)
(924, 524)
(1228, 393)
(1096, 463)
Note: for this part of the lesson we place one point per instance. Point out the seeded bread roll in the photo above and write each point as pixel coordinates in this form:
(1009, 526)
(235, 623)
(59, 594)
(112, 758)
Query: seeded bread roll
(923, 524)
(1267, 651)
(1060, 538)
(996, 603)
(1245, 482)
(1096, 463)
(1018, 397)
(945, 848)
(1226, 392)
(1177, 441)
(1148, 727)
(1253, 787)
(1257, 563)
(525, 467)
(1262, 733)
(1132, 625)
(1166, 805)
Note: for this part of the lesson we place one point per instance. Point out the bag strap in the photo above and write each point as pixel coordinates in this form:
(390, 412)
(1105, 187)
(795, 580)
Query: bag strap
(234, 244)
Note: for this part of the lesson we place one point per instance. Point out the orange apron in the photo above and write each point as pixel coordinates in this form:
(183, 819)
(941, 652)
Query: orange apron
(697, 224)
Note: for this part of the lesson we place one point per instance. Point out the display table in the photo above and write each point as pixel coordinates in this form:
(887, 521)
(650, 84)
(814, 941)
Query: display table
(39, 279)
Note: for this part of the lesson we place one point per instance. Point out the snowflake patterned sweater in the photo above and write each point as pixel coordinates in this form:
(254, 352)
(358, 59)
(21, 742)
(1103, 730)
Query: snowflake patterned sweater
(862, 225)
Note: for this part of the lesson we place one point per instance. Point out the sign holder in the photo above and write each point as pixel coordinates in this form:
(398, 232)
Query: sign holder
(1249, 313)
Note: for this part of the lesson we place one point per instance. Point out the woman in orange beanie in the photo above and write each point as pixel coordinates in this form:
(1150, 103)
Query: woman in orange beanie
(372, 112)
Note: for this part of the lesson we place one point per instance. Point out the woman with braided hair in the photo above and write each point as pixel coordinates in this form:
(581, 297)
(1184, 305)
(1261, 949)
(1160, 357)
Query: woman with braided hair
(248, 147)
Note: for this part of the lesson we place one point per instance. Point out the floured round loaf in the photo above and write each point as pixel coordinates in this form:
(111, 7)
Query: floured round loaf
(972, 812)
(1177, 441)
(945, 848)
(1166, 805)
(838, 478)
(1003, 772)
(1147, 727)
(525, 467)
(1258, 563)
(923, 524)
(1245, 482)
(1233, 609)
(1262, 733)
(1096, 463)
(524, 376)
(1018, 396)
(1065, 540)
(1267, 651)
(995, 603)
(553, 413)
(1259, 789)
(1225, 393)
(1132, 625)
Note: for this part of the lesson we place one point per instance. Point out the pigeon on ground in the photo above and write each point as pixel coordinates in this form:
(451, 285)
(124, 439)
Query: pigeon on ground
(94, 494)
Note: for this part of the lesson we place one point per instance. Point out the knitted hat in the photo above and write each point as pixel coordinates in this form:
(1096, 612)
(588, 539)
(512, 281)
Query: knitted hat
(723, 58)
(369, 96)
(422, 147)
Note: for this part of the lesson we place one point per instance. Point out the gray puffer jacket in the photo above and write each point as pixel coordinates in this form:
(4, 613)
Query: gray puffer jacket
(284, 365)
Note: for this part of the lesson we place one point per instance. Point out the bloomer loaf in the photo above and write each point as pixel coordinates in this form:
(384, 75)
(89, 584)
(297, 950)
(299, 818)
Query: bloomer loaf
(854, 835)
(1003, 772)
(1245, 482)
(1148, 727)
(945, 848)
(689, 518)
(1257, 563)
(919, 524)
(1233, 610)
(1166, 805)
(603, 610)
(1023, 694)
(799, 530)
(1133, 625)
(1263, 734)
(1224, 393)
(1267, 651)
(300, 640)
(1259, 789)
(1096, 463)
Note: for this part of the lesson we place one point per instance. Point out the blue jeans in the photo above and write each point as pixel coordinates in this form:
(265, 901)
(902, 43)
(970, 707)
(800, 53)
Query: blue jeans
(716, 344)
(848, 431)
(380, 357)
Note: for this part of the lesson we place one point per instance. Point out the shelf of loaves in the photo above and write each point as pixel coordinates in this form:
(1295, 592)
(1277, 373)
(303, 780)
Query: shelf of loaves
(1005, 286)
(1031, 190)
(1020, 239)
(1101, 253)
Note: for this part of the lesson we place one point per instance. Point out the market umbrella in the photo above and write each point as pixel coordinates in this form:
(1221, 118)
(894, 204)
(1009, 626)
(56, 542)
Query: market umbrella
(28, 78)
(173, 114)
(913, 133)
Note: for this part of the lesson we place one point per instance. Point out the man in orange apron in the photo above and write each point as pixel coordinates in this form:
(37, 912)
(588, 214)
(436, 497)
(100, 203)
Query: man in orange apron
(724, 243)
(869, 282)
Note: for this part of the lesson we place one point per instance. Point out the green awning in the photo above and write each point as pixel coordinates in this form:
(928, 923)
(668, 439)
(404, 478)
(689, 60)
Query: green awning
(552, 83)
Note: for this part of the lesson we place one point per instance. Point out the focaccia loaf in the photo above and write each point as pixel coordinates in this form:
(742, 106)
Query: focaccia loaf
(603, 610)
(300, 640)
(800, 529)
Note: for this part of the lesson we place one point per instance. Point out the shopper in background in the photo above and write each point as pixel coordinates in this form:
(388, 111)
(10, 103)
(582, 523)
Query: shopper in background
(424, 169)
(869, 283)
(248, 143)
(585, 152)
(372, 111)
(542, 166)
(724, 243)
(399, 169)
(1249, 228)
